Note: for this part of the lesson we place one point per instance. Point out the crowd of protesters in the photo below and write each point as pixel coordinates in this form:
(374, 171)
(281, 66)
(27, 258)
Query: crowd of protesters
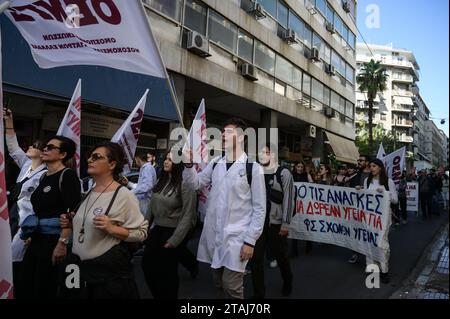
(101, 222)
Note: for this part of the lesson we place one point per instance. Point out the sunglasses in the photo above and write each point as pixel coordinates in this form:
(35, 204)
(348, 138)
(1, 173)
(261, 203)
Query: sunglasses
(38, 146)
(95, 157)
(51, 147)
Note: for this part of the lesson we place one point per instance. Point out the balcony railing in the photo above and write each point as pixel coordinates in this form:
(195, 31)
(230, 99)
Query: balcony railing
(404, 123)
(402, 93)
(402, 77)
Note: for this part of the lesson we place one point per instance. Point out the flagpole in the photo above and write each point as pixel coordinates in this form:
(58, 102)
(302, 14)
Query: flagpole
(172, 93)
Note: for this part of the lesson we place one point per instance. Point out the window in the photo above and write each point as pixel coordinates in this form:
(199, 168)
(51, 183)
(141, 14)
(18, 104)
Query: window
(317, 90)
(341, 105)
(308, 36)
(306, 84)
(296, 24)
(297, 78)
(169, 8)
(326, 96)
(245, 46)
(327, 54)
(345, 34)
(335, 60)
(351, 39)
(349, 109)
(280, 88)
(264, 57)
(349, 73)
(195, 16)
(283, 70)
(222, 31)
(283, 14)
(339, 25)
(334, 101)
(317, 43)
(342, 68)
(322, 6)
(270, 6)
(330, 14)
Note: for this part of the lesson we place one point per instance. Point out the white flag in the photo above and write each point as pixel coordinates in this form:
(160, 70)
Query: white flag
(6, 276)
(111, 33)
(196, 139)
(381, 152)
(128, 134)
(71, 124)
(394, 164)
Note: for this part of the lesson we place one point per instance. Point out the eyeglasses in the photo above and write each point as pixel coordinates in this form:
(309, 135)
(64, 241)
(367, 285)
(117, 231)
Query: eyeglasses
(95, 157)
(38, 146)
(51, 147)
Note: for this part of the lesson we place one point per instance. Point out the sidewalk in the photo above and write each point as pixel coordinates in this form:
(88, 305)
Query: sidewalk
(430, 279)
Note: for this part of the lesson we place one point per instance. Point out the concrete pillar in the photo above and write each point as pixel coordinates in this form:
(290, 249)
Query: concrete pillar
(318, 145)
(268, 121)
(179, 83)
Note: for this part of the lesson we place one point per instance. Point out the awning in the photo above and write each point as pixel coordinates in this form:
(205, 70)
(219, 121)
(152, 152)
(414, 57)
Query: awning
(403, 100)
(344, 149)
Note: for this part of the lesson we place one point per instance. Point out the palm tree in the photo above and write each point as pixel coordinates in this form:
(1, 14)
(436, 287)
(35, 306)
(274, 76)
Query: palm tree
(371, 79)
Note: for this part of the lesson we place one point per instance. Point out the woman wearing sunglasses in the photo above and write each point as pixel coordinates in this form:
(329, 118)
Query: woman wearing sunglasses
(58, 192)
(31, 169)
(107, 219)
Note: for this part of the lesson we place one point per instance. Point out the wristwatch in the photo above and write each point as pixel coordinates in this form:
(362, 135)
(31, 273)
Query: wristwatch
(65, 241)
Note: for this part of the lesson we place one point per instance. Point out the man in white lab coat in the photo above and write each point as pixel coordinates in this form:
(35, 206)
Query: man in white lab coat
(147, 180)
(235, 213)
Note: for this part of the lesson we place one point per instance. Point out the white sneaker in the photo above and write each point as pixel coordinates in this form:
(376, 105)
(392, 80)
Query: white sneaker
(273, 264)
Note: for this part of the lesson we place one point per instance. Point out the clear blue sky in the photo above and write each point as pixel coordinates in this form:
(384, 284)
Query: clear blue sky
(420, 26)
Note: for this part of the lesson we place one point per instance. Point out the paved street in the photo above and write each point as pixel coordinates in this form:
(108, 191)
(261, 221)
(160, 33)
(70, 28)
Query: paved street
(325, 272)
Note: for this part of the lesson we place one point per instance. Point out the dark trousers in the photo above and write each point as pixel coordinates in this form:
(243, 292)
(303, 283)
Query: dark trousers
(402, 203)
(395, 213)
(17, 275)
(279, 249)
(39, 278)
(160, 265)
(425, 204)
(187, 259)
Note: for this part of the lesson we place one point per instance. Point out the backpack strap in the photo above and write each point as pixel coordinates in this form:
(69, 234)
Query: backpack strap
(249, 171)
(61, 177)
(113, 199)
(278, 176)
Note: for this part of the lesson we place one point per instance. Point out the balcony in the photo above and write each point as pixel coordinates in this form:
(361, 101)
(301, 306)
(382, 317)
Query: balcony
(402, 77)
(405, 139)
(401, 108)
(402, 93)
(415, 89)
(404, 123)
(390, 62)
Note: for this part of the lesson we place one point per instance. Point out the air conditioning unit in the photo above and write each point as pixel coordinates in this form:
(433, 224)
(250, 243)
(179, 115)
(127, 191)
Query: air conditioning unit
(330, 69)
(248, 71)
(329, 112)
(198, 44)
(290, 36)
(257, 10)
(312, 131)
(330, 27)
(346, 6)
(314, 56)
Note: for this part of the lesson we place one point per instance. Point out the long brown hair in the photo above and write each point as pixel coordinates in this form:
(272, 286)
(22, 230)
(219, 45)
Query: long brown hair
(383, 178)
(170, 182)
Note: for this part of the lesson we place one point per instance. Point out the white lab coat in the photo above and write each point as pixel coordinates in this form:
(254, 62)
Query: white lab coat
(235, 212)
(24, 205)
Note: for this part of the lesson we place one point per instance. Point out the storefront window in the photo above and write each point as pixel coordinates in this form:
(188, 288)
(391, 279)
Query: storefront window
(222, 31)
(195, 16)
(245, 46)
(169, 8)
(264, 58)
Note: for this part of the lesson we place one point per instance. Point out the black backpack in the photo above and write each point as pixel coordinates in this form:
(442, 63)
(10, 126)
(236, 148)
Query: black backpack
(248, 169)
(277, 196)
